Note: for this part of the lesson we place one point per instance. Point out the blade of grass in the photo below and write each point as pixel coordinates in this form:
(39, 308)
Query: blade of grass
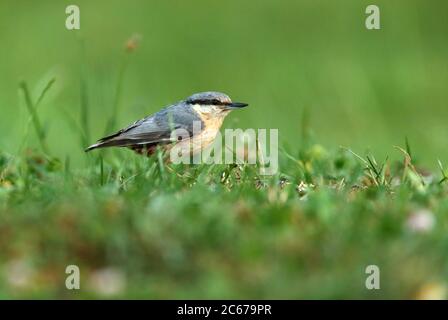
(30, 119)
(110, 126)
(408, 147)
(408, 164)
(36, 122)
(84, 97)
(101, 170)
(442, 170)
(130, 46)
(84, 114)
(160, 162)
(44, 91)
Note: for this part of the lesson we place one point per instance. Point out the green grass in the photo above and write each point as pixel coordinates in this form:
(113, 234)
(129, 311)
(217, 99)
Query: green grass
(221, 231)
(139, 228)
(363, 89)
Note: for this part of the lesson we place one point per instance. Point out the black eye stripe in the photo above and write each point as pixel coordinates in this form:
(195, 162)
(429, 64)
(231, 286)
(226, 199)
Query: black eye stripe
(208, 102)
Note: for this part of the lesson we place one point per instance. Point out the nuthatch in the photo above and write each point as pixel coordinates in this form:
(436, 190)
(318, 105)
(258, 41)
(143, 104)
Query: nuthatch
(208, 109)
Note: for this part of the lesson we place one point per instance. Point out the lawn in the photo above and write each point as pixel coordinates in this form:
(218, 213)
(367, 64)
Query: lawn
(363, 162)
(148, 229)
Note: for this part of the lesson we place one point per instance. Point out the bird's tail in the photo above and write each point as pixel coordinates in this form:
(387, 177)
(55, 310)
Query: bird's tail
(109, 143)
(124, 142)
(93, 146)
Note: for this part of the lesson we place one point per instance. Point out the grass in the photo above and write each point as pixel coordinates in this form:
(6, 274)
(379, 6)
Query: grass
(33, 113)
(362, 89)
(140, 228)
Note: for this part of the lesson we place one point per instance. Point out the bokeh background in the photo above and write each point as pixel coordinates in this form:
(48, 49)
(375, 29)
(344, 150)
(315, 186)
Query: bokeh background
(297, 63)
(365, 89)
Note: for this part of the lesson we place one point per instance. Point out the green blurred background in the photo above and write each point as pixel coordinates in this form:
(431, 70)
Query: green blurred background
(366, 89)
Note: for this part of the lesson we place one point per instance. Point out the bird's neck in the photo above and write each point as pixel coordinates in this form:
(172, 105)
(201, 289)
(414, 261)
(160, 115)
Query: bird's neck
(212, 120)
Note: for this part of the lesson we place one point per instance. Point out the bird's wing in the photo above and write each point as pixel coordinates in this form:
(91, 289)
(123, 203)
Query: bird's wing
(152, 129)
(124, 130)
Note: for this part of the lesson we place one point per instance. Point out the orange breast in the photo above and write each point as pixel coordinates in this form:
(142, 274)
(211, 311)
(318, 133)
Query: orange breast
(205, 138)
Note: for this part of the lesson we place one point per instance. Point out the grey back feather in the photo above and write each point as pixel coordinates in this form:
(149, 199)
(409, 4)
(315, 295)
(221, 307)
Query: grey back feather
(153, 129)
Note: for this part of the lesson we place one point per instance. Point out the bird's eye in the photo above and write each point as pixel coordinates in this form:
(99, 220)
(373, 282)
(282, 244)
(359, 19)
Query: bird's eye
(206, 102)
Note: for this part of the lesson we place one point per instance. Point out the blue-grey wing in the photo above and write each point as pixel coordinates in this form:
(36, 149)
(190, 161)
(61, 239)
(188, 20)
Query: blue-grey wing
(154, 129)
(161, 125)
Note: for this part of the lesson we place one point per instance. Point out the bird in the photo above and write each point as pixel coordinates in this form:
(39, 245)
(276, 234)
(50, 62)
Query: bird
(200, 116)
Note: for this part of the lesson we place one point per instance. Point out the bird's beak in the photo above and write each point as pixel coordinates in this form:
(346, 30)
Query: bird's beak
(236, 105)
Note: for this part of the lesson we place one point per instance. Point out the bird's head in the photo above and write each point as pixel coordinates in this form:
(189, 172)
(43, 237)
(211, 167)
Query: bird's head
(213, 103)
